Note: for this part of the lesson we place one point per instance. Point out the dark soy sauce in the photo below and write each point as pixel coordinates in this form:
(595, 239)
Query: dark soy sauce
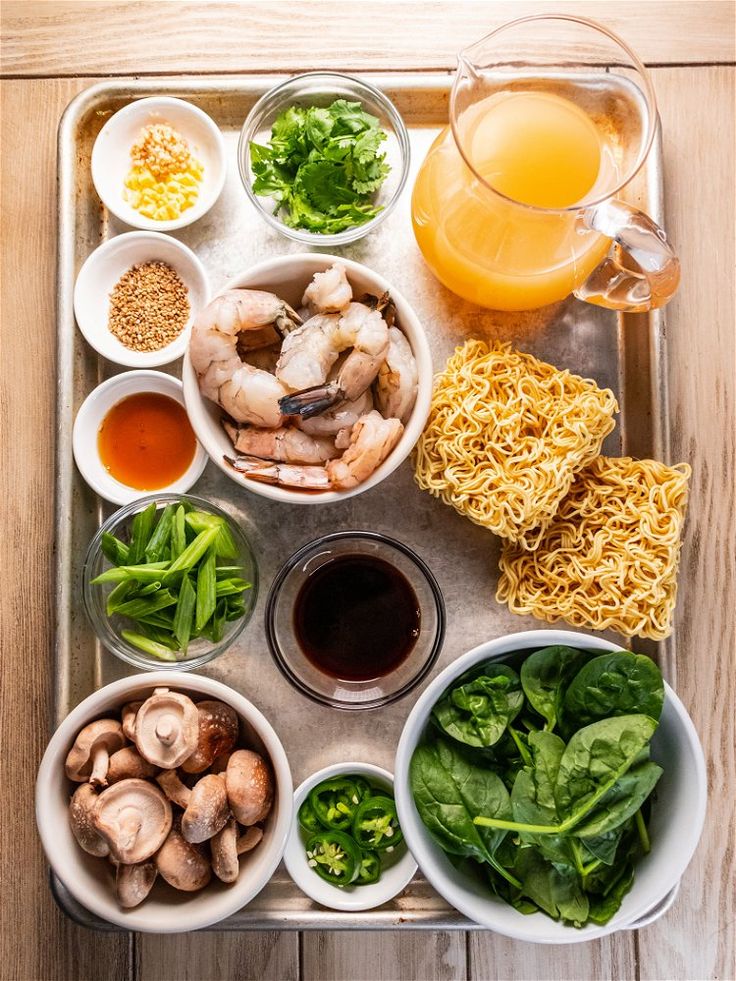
(356, 617)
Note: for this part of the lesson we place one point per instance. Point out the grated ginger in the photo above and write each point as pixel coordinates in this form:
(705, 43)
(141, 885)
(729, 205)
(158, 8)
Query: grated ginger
(164, 179)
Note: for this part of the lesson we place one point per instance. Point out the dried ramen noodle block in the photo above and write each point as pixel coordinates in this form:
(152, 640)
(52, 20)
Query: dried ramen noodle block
(609, 558)
(506, 435)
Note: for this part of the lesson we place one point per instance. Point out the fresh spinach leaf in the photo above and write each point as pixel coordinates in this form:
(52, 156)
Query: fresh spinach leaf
(448, 792)
(613, 684)
(602, 907)
(555, 889)
(544, 675)
(478, 711)
(622, 801)
(594, 759)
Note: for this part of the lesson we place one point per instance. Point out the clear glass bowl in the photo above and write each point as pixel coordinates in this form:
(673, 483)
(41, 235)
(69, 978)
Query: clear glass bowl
(108, 628)
(320, 89)
(323, 687)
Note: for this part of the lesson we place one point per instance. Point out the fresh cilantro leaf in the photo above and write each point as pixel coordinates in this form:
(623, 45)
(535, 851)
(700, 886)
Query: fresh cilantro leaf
(325, 184)
(350, 117)
(322, 165)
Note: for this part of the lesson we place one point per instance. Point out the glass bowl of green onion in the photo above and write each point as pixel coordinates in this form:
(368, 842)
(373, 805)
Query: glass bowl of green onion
(169, 581)
(324, 158)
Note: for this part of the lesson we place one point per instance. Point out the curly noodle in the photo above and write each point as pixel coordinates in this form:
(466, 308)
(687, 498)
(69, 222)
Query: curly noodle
(609, 558)
(506, 435)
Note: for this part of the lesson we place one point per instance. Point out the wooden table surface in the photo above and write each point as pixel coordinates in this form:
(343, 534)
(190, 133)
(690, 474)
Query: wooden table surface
(50, 51)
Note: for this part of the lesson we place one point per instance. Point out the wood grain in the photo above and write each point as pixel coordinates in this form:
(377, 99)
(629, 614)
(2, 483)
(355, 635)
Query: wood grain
(146, 37)
(37, 940)
(237, 957)
(399, 954)
(696, 939)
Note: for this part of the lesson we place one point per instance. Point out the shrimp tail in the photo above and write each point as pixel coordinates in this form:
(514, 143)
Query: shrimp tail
(311, 401)
(284, 474)
(287, 321)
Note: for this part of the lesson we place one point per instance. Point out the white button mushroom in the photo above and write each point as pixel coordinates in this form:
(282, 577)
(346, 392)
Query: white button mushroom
(218, 732)
(182, 865)
(166, 728)
(207, 810)
(249, 786)
(134, 818)
(80, 819)
(88, 758)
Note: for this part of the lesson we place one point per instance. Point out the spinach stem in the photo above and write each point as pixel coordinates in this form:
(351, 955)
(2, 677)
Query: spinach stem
(643, 833)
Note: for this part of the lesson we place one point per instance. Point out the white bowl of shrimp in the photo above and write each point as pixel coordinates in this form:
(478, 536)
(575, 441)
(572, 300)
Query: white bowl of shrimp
(312, 406)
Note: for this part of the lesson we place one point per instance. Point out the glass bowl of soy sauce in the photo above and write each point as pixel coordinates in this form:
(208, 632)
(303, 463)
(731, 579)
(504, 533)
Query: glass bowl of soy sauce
(355, 619)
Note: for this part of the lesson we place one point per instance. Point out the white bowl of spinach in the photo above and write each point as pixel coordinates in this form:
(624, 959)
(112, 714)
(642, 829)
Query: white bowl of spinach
(552, 787)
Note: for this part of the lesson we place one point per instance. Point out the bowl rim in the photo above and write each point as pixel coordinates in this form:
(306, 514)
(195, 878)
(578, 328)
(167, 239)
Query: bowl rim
(355, 232)
(88, 709)
(130, 358)
(87, 414)
(341, 902)
(496, 649)
(199, 209)
(270, 614)
(319, 262)
(167, 497)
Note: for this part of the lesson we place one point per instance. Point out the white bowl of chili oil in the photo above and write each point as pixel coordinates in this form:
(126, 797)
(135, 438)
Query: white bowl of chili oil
(163, 452)
(112, 161)
(104, 269)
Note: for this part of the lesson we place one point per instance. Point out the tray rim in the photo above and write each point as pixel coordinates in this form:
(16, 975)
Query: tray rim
(315, 919)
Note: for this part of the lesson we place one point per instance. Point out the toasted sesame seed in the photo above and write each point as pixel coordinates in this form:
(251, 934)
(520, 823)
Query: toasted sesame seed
(149, 307)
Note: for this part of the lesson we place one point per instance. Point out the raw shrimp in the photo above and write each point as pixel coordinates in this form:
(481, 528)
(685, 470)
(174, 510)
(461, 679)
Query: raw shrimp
(246, 393)
(338, 418)
(308, 354)
(285, 444)
(371, 441)
(329, 291)
(396, 384)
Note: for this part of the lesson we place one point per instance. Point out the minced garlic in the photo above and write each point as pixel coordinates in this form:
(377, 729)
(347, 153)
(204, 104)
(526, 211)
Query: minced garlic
(164, 179)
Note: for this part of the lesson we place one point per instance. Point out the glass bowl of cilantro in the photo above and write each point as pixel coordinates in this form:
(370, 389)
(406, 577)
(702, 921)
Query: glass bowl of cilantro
(324, 158)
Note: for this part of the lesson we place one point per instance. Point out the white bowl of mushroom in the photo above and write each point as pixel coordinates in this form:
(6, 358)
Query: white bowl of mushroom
(313, 406)
(164, 802)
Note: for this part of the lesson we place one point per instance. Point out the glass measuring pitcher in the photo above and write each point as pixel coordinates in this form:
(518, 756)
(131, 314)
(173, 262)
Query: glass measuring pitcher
(516, 204)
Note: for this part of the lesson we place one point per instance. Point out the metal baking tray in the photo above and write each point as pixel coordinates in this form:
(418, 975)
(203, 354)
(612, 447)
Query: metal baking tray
(624, 353)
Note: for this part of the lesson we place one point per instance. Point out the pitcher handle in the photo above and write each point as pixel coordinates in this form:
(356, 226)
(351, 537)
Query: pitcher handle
(644, 284)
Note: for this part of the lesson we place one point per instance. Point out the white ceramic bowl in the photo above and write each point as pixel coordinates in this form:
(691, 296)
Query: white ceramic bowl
(87, 424)
(111, 157)
(101, 272)
(396, 873)
(678, 810)
(90, 880)
(288, 276)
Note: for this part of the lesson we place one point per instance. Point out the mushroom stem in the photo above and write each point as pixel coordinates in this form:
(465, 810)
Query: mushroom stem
(248, 841)
(100, 762)
(175, 790)
(167, 729)
(129, 824)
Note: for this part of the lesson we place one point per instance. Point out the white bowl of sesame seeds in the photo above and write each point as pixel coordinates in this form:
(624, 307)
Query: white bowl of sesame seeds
(187, 142)
(136, 298)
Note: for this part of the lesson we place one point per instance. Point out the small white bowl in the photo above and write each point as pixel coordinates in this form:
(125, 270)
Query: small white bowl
(395, 875)
(87, 425)
(678, 810)
(90, 880)
(111, 157)
(101, 272)
(288, 276)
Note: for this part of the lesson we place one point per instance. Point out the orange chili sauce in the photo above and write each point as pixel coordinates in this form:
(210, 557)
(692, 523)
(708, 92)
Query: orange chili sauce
(146, 441)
